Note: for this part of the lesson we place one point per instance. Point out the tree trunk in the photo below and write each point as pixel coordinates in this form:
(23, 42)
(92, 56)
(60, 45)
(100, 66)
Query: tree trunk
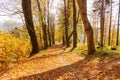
(49, 34)
(63, 40)
(45, 36)
(52, 29)
(117, 40)
(26, 6)
(74, 25)
(88, 29)
(110, 24)
(102, 23)
(43, 26)
(96, 28)
(66, 22)
(53, 33)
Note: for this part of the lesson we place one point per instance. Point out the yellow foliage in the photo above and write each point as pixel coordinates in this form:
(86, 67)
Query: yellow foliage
(13, 49)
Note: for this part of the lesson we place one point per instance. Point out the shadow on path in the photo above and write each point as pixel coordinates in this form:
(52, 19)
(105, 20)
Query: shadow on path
(90, 68)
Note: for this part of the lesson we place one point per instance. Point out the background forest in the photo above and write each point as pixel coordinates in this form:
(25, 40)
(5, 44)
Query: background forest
(81, 26)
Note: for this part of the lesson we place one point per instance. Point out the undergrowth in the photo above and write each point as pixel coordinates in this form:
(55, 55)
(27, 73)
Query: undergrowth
(12, 49)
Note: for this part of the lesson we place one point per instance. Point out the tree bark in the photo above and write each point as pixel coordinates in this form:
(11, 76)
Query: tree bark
(48, 19)
(110, 24)
(88, 29)
(26, 6)
(53, 33)
(117, 40)
(102, 23)
(74, 25)
(63, 40)
(67, 41)
(43, 26)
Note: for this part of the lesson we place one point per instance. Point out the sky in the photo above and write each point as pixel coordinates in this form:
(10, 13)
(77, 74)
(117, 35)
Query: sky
(12, 18)
(3, 19)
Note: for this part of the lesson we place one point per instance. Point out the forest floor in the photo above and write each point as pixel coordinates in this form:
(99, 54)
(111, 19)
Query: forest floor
(57, 64)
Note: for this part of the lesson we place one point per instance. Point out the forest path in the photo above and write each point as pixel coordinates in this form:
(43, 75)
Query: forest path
(45, 60)
(56, 64)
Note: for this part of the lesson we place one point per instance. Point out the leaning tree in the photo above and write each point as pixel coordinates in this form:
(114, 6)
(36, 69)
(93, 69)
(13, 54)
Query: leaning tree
(26, 6)
(87, 26)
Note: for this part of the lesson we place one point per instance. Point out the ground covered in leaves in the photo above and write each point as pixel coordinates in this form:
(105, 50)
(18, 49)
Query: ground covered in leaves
(57, 64)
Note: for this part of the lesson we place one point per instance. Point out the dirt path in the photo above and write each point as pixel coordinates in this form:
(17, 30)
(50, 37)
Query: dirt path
(46, 60)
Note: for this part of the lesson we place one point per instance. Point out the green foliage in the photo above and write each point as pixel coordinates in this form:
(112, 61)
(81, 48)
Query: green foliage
(107, 49)
(81, 49)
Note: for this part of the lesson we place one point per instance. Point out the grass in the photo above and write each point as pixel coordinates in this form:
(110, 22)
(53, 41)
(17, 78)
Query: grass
(81, 50)
(107, 49)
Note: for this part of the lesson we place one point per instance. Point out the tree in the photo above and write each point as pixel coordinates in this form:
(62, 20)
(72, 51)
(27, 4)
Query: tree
(74, 25)
(110, 24)
(101, 7)
(102, 18)
(44, 27)
(117, 40)
(66, 14)
(61, 24)
(26, 6)
(87, 26)
(52, 24)
(48, 21)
